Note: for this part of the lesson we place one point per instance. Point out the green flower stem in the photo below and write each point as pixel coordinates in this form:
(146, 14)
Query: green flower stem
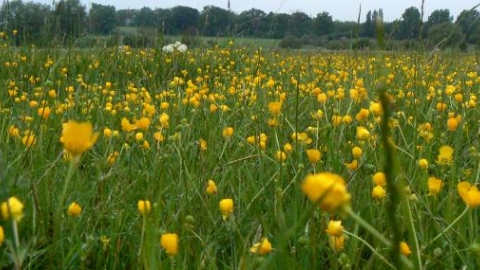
(376, 234)
(15, 233)
(390, 171)
(449, 227)
(371, 248)
(172, 262)
(369, 228)
(61, 203)
(18, 258)
(417, 255)
(71, 171)
(142, 238)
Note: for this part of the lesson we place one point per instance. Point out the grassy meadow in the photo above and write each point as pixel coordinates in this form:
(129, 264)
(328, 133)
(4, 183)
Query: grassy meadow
(238, 157)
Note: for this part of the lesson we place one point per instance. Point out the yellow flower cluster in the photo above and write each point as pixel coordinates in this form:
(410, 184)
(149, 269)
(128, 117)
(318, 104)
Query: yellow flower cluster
(328, 190)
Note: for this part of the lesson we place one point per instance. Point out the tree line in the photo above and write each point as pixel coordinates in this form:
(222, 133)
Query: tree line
(67, 20)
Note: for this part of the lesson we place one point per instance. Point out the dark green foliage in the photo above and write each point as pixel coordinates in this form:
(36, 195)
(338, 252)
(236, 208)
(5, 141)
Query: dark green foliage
(216, 21)
(67, 20)
(102, 19)
(444, 35)
(290, 42)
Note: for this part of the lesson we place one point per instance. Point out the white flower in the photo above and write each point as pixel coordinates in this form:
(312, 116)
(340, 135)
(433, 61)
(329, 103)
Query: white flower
(182, 48)
(168, 48)
(177, 44)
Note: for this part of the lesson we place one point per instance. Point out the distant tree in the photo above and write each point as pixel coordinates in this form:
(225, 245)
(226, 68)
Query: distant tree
(410, 24)
(438, 16)
(145, 18)
(469, 22)
(164, 21)
(29, 19)
(380, 14)
(375, 16)
(11, 16)
(300, 24)
(444, 35)
(216, 21)
(277, 25)
(344, 29)
(125, 17)
(102, 19)
(368, 27)
(70, 19)
(185, 19)
(323, 24)
(252, 23)
(35, 24)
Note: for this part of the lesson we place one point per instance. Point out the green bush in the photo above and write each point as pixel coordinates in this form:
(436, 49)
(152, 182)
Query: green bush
(290, 42)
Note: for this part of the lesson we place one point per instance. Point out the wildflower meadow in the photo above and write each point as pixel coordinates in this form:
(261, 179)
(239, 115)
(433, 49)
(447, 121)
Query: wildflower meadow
(228, 157)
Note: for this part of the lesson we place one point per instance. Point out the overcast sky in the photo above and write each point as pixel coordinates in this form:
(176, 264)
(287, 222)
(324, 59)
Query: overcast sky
(344, 10)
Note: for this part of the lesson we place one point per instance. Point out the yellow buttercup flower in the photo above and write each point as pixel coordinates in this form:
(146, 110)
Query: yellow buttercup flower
(434, 185)
(301, 137)
(143, 123)
(322, 97)
(112, 158)
(275, 107)
(13, 131)
(327, 189)
(452, 124)
(352, 165)
(211, 187)
(445, 155)
(144, 207)
(318, 115)
(357, 152)
(203, 144)
(380, 179)
(44, 112)
(262, 248)
(469, 194)
(280, 156)
(13, 208)
(2, 236)
(29, 139)
(126, 125)
(288, 148)
(337, 243)
(74, 209)
(139, 137)
(378, 192)
(226, 207)
(107, 132)
(405, 249)
(169, 242)
(334, 228)
(78, 137)
(227, 132)
(362, 114)
(347, 119)
(158, 136)
(314, 155)
(363, 133)
(423, 163)
(105, 241)
(376, 108)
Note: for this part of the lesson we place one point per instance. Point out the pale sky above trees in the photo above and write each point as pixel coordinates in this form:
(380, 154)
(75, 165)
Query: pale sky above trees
(344, 10)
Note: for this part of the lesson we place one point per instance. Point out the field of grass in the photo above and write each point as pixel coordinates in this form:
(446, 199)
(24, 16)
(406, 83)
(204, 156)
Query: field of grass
(204, 41)
(252, 158)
